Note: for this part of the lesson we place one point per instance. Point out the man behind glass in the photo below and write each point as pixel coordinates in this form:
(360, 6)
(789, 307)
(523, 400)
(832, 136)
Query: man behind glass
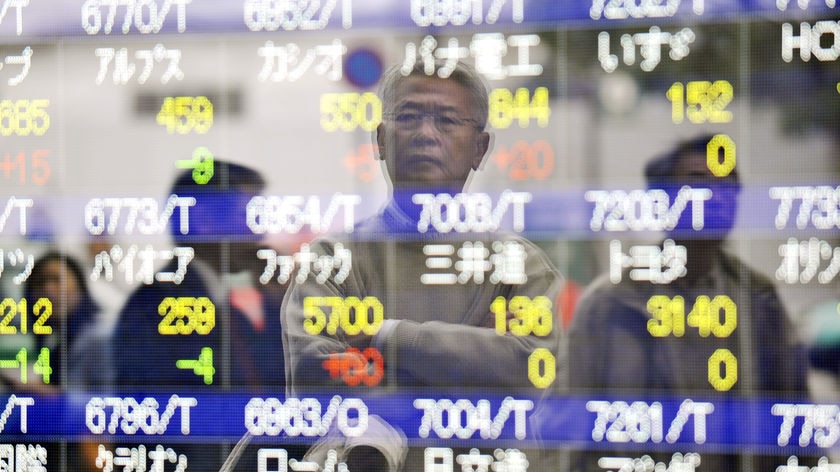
(615, 347)
(437, 338)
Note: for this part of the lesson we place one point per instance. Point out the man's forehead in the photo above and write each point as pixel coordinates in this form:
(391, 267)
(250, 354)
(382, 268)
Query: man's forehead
(425, 91)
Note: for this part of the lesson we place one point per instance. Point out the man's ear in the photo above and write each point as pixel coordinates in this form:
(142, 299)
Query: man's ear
(380, 141)
(482, 148)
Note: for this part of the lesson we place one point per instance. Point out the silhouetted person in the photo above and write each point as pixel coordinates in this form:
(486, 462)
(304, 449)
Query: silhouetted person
(613, 349)
(243, 339)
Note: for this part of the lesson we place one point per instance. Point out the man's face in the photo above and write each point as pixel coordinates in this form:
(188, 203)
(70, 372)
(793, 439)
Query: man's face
(432, 138)
(719, 212)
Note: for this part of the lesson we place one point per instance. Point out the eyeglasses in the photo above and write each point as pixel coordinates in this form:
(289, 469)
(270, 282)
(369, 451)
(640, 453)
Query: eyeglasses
(445, 123)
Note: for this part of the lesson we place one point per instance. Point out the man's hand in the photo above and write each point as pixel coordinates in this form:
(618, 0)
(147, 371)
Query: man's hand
(360, 341)
(490, 320)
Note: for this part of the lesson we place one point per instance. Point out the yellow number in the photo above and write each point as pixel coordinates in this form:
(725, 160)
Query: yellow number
(348, 111)
(39, 118)
(705, 316)
(338, 309)
(351, 319)
(537, 108)
(351, 314)
(7, 113)
(528, 316)
(500, 108)
(676, 94)
(315, 319)
(668, 316)
(205, 315)
(168, 308)
(696, 101)
(11, 306)
(520, 306)
(370, 111)
(354, 315)
(699, 316)
(499, 308)
(730, 316)
(186, 315)
(24, 117)
(660, 325)
(542, 367)
(23, 319)
(202, 111)
(182, 118)
(707, 101)
(701, 101)
(329, 112)
(185, 310)
(723, 358)
(42, 310)
(542, 317)
(713, 158)
(720, 95)
(368, 304)
(166, 115)
(506, 106)
(185, 114)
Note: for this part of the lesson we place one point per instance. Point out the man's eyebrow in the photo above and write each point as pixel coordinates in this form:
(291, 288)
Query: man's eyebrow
(423, 106)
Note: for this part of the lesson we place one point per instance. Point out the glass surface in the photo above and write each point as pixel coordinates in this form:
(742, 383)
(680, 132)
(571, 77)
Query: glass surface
(226, 243)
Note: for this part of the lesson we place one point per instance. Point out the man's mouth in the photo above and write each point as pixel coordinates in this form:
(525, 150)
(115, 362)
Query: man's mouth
(420, 161)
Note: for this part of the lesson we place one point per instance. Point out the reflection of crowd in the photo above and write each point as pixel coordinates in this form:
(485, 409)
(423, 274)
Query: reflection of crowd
(447, 338)
(456, 336)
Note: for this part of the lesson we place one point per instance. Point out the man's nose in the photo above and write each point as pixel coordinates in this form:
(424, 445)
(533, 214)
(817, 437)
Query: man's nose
(429, 123)
(427, 133)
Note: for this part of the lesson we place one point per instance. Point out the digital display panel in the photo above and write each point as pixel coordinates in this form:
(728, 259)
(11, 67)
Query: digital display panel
(419, 235)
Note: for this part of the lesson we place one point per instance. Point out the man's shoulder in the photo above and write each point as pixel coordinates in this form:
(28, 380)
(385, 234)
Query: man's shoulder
(603, 298)
(192, 285)
(745, 275)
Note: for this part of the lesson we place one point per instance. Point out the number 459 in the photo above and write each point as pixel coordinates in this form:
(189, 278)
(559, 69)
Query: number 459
(184, 114)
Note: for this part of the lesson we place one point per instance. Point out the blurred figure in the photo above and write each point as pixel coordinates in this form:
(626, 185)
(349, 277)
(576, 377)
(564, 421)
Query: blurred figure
(224, 269)
(74, 323)
(231, 327)
(612, 348)
(56, 291)
(439, 336)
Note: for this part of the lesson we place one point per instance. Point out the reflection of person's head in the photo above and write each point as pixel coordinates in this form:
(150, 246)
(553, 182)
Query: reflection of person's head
(432, 133)
(688, 164)
(217, 221)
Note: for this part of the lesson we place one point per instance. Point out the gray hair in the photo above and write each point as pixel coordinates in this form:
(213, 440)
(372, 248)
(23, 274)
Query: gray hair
(462, 73)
